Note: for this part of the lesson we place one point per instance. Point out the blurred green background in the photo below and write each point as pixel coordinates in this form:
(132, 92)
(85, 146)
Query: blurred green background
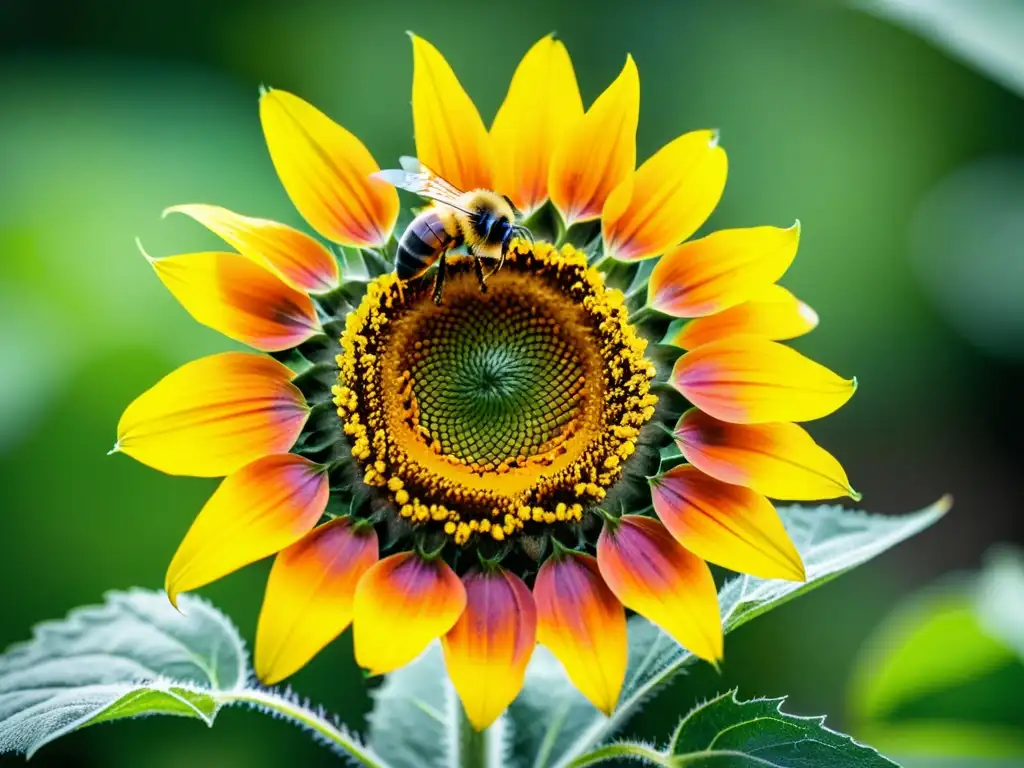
(904, 165)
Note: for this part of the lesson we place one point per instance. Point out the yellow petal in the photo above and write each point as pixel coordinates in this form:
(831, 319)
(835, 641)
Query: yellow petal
(721, 270)
(779, 460)
(213, 416)
(669, 197)
(257, 511)
(772, 313)
(309, 596)
(239, 298)
(747, 380)
(295, 257)
(451, 139)
(653, 575)
(326, 172)
(583, 625)
(598, 152)
(487, 650)
(543, 101)
(728, 525)
(402, 604)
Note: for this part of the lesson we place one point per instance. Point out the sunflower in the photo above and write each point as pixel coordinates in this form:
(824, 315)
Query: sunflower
(511, 467)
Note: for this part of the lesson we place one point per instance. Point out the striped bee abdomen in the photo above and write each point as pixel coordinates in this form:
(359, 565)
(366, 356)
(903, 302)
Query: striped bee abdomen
(421, 245)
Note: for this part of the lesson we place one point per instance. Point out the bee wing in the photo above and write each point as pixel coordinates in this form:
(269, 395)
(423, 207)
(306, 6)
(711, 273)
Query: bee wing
(417, 178)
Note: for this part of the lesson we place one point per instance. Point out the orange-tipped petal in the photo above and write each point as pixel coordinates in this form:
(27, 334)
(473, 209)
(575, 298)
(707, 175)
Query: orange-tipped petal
(721, 270)
(542, 103)
(653, 575)
(597, 152)
(256, 512)
(326, 172)
(728, 525)
(298, 259)
(747, 380)
(779, 460)
(451, 139)
(772, 313)
(239, 298)
(583, 625)
(309, 596)
(668, 198)
(487, 650)
(402, 604)
(213, 416)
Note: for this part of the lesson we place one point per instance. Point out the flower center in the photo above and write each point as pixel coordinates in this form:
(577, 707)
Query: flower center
(496, 411)
(497, 380)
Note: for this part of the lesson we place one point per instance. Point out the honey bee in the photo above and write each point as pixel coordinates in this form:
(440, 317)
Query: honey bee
(482, 220)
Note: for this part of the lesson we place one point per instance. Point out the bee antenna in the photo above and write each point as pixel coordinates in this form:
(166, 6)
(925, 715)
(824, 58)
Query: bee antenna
(522, 231)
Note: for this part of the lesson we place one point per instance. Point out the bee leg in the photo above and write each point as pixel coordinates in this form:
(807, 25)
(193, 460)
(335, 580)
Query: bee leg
(442, 271)
(500, 264)
(478, 268)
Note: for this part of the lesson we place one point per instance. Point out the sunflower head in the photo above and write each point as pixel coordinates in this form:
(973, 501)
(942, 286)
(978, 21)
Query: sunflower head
(497, 415)
(517, 465)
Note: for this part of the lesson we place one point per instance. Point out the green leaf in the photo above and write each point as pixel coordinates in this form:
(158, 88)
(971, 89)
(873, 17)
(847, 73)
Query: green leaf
(133, 656)
(943, 674)
(136, 656)
(728, 732)
(417, 721)
(831, 540)
(409, 724)
(987, 35)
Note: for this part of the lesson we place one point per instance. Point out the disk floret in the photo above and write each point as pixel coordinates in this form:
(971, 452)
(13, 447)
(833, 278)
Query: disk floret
(497, 412)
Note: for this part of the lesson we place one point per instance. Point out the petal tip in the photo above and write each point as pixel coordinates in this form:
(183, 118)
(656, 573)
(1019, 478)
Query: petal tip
(945, 503)
(713, 140)
(172, 596)
(142, 250)
(808, 314)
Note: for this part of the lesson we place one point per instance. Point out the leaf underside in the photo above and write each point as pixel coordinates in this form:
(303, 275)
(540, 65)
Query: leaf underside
(132, 656)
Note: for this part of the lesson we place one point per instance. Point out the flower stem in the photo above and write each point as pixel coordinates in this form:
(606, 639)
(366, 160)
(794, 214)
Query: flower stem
(616, 751)
(473, 746)
(337, 738)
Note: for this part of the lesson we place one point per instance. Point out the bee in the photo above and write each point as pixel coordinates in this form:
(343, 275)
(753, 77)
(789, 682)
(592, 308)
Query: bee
(482, 220)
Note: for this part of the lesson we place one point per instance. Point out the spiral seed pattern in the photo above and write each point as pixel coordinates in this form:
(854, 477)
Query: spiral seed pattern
(497, 412)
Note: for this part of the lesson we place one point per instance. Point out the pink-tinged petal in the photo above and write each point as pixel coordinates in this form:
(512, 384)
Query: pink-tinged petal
(668, 198)
(298, 259)
(402, 604)
(327, 171)
(583, 625)
(728, 525)
(242, 300)
(214, 415)
(653, 575)
(779, 460)
(719, 271)
(747, 380)
(256, 512)
(487, 650)
(773, 313)
(309, 596)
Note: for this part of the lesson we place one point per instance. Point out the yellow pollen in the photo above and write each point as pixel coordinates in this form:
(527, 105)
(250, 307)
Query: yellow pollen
(496, 412)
